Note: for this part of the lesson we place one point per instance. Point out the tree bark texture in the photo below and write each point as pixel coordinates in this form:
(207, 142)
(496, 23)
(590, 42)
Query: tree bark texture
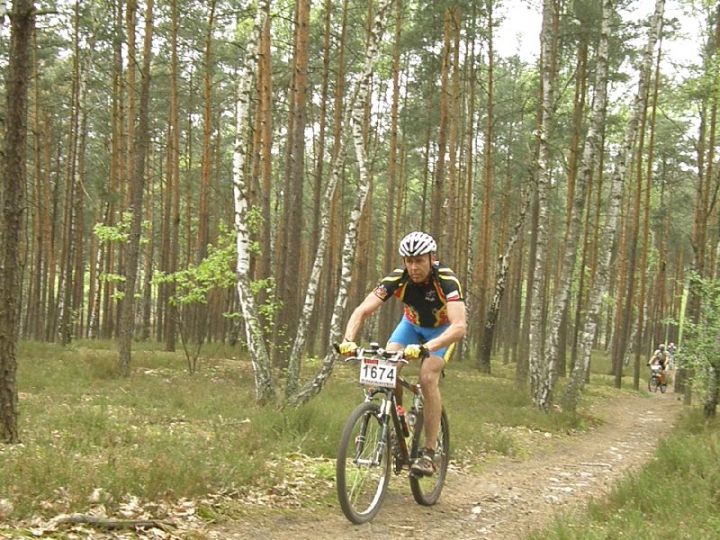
(22, 25)
(540, 388)
(127, 310)
(264, 383)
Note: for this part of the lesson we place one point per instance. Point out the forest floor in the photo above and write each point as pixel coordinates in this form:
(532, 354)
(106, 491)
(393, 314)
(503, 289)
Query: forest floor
(505, 499)
(499, 498)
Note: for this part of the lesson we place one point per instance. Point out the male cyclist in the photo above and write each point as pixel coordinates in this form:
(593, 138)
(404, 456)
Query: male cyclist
(433, 321)
(660, 358)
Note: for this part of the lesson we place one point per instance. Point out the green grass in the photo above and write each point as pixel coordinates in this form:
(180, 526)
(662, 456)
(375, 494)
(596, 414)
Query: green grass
(162, 434)
(675, 496)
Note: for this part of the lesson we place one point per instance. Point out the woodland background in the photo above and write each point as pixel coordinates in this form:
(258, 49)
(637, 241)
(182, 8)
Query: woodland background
(133, 132)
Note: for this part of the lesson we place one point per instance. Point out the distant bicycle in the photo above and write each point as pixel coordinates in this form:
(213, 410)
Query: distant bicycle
(374, 440)
(657, 379)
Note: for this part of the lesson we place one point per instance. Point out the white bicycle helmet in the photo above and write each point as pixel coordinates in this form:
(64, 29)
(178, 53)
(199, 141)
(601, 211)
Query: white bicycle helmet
(417, 243)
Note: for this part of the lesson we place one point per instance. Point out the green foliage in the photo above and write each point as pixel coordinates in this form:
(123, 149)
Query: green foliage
(701, 349)
(194, 283)
(120, 233)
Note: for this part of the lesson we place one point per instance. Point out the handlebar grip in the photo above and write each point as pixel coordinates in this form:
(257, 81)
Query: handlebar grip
(336, 346)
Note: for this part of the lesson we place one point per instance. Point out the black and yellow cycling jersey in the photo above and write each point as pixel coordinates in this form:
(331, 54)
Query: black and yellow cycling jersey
(425, 303)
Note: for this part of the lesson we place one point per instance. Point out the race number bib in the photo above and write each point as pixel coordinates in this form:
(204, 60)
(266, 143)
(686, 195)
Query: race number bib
(378, 372)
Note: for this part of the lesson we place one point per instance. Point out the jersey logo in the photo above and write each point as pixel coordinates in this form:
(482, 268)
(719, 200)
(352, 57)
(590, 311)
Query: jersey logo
(430, 295)
(381, 292)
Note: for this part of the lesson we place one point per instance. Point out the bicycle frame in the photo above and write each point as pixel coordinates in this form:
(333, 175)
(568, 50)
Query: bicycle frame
(388, 405)
(388, 410)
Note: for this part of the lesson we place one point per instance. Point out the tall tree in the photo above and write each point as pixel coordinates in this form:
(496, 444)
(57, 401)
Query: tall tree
(538, 367)
(172, 237)
(22, 26)
(438, 212)
(264, 384)
(577, 381)
(289, 269)
(576, 212)
(483, 250)
(125, 333)
(641, 338)
(361, 96)
(389, 256)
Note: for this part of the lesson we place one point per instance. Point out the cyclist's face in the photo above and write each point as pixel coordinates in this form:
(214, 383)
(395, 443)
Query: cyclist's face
(418, 267)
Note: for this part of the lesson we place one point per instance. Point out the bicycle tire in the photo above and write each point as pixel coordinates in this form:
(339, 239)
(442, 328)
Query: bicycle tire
(361, 479)
(426, 490)
(653, 384)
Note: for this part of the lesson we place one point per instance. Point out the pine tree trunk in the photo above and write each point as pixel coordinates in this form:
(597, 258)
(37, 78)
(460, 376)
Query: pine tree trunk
(640, 348)
(454, 107)
(148, 269)
(484, 248)
(439, 189)
(295, 177)
(127, 312)
(22, 25)
(173, 184)
(389, 253)
(330, 276)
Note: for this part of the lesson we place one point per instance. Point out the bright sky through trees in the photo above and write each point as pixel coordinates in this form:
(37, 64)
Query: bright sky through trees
(520, 31)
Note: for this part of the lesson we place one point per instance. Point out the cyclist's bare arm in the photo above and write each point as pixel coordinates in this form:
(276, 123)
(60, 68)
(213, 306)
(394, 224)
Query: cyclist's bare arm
(368, 306)
(454, 332)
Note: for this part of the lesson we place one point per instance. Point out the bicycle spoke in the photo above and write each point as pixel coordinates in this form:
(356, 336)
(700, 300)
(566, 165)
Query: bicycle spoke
(363, 464)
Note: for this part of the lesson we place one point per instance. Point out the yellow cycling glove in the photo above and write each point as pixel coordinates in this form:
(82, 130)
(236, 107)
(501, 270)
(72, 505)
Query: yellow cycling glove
(413, 352)
(348, 348)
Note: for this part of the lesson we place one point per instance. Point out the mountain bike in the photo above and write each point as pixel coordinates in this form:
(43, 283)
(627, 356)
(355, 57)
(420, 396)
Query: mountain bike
(376, 439)
(656, 381)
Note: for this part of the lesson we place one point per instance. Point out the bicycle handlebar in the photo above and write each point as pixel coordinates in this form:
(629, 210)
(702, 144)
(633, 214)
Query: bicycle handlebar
(374, 351)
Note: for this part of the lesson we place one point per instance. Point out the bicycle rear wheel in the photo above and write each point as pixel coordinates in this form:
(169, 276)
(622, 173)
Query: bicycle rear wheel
(363, 464)
(426, 489)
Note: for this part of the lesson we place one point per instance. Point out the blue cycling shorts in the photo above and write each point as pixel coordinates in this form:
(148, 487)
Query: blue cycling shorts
(407, 333)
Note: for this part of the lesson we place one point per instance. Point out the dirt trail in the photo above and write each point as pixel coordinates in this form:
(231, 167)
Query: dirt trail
(509, 498)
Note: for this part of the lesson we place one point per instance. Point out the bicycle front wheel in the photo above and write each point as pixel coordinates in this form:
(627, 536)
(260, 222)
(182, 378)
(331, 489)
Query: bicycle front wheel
(426, 489)
(363, 464)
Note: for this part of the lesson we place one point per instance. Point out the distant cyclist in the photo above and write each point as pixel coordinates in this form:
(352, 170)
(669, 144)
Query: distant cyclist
(433, 321)
(671, 350)
(660, 358)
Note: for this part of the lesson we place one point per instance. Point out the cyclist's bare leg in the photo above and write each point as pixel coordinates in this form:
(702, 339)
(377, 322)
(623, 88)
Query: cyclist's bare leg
(392, 347)
(429, 380)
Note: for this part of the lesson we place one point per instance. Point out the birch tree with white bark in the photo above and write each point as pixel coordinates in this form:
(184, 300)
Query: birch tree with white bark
(260, 358)
(357, 108)
(501, 275)
(538, 368)
(591, 151)
(577, 380)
